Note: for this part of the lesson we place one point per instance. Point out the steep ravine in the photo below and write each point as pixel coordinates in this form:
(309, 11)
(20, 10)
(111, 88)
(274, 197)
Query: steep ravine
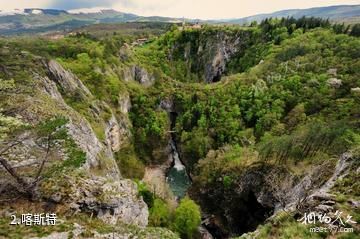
(177, 176)
(247, 213)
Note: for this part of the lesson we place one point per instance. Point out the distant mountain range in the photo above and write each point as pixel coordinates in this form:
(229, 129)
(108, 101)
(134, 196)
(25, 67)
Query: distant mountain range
(45, 20)
(36, 20)
(335, 13)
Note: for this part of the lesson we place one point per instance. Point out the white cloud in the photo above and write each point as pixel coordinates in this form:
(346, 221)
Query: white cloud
(21, 4)
(205, 9)
(210, 9)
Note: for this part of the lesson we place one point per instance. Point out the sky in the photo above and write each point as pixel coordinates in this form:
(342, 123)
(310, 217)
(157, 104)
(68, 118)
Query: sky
(203, 9)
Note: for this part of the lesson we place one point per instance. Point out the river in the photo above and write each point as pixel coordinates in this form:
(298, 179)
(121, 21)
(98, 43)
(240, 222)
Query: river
(177, 178)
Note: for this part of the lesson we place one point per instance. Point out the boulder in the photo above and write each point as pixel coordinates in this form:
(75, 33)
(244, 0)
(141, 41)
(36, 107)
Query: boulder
(334, 82)
(332, 71)
(142, 76)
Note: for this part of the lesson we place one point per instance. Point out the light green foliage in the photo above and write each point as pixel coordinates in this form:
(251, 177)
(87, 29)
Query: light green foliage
(187, 218)
(22, 231)
(160, 214)
(8, 124)
(285, 226)
(6, 85)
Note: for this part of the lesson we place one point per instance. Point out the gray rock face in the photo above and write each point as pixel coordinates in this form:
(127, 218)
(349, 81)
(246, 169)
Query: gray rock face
(334, 82)
(117, 129)
(78, 127)
(124, 103)
(117, 132)
(216, 68)
(263, 191)
(167, 105)
(113, 134)
(111, 198)
(67, 81)
(139, 74)
(209, 55)
(142, 76)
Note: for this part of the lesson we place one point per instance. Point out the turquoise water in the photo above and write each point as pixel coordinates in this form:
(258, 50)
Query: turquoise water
(179, 182)
(178, 179)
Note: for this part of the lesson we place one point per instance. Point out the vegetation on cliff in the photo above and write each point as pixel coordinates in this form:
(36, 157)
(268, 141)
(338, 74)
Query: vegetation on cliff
(284, 98)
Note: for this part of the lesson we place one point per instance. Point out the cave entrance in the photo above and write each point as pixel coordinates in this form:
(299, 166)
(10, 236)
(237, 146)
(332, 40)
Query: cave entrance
(216, 78)
(247, 213)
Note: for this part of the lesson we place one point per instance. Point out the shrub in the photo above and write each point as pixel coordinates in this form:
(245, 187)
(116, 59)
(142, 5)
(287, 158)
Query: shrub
(187, 218)
(159, 214)
(143, 191)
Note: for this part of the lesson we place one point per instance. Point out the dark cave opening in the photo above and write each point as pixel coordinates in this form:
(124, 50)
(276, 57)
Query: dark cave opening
(216, 78)
(247, 213)
(234, 214)
(173, 116)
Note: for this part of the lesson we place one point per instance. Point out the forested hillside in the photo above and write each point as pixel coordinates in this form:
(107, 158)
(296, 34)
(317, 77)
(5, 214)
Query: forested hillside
(262, 121)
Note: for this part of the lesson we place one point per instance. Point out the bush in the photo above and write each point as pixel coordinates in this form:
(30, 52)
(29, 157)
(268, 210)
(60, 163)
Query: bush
(145, 193)
(159, 214)
(187, 218)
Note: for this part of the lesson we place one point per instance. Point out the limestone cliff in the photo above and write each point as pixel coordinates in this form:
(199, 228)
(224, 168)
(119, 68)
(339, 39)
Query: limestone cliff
(207, 54)
(97, 187)
(119, 199)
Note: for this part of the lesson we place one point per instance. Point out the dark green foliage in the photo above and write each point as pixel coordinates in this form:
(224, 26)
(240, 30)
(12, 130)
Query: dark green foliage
(271, 26)
(341, 28)
(355, 30)
(146, 194)
(151, 127)
(305, 142)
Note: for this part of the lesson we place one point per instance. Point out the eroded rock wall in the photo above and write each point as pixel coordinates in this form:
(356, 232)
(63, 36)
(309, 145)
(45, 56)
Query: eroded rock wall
(99, 188)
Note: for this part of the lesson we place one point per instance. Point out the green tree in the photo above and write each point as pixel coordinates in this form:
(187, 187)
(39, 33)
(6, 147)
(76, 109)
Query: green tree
(187, 218)
(355, 30)
(47, 136)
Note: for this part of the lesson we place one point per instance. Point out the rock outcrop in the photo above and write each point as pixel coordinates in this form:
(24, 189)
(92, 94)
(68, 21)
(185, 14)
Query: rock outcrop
(106, 195)
(209, 54)
(117, 132)
(67, 81)
(225, 49)
(109, 200)
(262, 191)
(79, 128)
(334, 82)
(139, 74)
